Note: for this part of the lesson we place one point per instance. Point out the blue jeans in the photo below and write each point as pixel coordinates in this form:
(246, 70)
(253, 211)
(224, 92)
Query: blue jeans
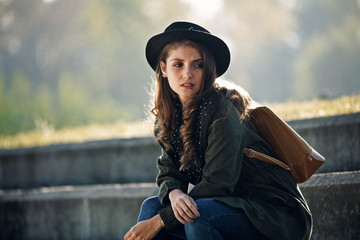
(217, 221)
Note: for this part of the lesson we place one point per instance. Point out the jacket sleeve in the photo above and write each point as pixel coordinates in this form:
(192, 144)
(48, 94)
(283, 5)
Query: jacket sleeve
(223, 157)
(169, 178)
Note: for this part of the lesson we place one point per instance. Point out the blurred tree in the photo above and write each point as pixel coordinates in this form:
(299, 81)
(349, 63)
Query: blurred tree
(41, 39)
(15, 105)
(77, 62)
(118, 32)
(86, 54)
(329, 59)
(259, 33)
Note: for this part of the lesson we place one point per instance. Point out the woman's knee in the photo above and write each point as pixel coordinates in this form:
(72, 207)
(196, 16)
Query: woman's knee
(218, 221)
(150, 202)
(149, 208)
(207, 206)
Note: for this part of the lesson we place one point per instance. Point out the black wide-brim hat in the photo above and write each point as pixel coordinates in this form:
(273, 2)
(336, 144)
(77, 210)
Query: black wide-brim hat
(179, 31)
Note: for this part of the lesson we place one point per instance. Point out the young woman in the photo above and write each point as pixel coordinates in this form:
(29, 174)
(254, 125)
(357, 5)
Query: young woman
(203, 129)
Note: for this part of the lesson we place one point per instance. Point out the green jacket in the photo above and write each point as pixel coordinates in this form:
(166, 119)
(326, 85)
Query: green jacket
(267, 193)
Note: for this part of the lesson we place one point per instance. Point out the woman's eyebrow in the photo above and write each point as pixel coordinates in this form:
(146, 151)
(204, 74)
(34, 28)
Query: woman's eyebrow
(198, 60)
(177, 59)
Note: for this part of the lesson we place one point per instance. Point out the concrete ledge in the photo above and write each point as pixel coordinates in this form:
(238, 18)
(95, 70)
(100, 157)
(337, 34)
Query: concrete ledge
(334, 199)
(98, 162)
(92, 212)
(337, 138)
(108, 211)
(113, 161)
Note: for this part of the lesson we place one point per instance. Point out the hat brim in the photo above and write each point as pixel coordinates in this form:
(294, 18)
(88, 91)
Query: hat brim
(215, 45)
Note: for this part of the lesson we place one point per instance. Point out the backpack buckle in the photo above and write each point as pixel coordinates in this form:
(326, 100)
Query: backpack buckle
(250, 153)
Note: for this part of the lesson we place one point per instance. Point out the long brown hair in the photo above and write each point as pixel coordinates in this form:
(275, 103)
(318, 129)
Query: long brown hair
(165, 100)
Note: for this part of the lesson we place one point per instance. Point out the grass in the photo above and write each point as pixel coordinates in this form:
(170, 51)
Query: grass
(46, 135)
(317, 108)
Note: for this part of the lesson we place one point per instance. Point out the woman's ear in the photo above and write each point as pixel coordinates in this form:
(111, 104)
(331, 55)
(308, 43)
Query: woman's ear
(163, 68)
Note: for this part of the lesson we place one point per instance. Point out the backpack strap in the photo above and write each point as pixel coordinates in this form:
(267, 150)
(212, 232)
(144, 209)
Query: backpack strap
(266, 158)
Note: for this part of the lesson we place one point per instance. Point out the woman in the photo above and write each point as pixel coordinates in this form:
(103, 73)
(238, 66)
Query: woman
(203, 129)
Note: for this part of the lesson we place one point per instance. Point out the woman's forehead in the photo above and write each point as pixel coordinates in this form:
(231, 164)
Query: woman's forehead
(181, 50)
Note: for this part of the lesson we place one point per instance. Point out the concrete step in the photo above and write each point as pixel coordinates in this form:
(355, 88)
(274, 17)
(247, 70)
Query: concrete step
(98, 162)
(334, 200)
(72, 212)
(108, 211)
(337, 138)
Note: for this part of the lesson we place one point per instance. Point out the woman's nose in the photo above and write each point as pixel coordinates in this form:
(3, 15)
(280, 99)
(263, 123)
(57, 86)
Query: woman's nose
(188, 73)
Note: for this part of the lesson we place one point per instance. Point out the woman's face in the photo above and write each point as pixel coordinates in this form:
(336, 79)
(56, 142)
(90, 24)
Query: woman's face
(184, 69)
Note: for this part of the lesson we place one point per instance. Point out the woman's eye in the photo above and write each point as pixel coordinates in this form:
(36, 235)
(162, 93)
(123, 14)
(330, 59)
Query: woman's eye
(199, 65)
(178, 65)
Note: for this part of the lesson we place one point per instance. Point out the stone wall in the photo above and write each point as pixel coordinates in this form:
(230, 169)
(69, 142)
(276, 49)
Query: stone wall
(337, 138)
(133, 160)
(109, 211)
(98, 162)
(334, 200)
(71, 212)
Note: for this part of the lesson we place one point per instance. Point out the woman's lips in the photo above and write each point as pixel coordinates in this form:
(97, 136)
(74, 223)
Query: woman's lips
(187, 85)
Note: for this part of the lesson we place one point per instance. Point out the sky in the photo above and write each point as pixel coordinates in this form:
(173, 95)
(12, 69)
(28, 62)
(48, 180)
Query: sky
(205, 8)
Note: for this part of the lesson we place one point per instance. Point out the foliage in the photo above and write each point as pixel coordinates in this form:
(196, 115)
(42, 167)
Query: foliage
(70, 63)
(24, 108)
(294, 110)
(328, 63)
(45, 134)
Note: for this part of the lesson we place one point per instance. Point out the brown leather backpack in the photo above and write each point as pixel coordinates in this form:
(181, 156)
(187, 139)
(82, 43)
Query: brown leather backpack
(293, 152)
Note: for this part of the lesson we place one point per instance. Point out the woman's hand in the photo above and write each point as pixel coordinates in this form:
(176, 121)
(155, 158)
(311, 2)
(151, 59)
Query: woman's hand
(146, 229)
(184, 207)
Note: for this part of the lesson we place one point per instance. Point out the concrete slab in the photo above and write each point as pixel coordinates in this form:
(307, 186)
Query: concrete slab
(334, 200)
(72, 212)
(99, 162)
(108, 211)
(133, 160)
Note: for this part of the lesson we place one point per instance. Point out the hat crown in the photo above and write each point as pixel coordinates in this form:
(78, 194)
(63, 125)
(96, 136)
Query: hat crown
(185, 26)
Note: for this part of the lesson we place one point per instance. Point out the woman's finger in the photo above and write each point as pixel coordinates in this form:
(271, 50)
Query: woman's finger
(181, 212)
(193, 202)
(184, 207)
(185, 218)
(184, 213)
(178, 217)
(127, 235)
(191, 205)
(187, 215)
